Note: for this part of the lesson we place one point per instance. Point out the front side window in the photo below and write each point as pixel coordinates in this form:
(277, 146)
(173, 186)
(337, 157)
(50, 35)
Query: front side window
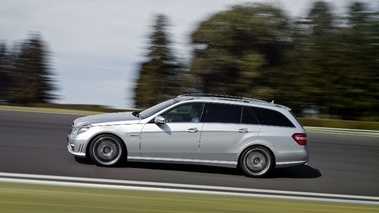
(223, 113)
(154, 109)
(185, 113)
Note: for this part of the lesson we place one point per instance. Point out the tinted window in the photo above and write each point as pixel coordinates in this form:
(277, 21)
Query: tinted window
(271, 117)
(248, 117)
(154, 109)
(185, 113)
(223, 113)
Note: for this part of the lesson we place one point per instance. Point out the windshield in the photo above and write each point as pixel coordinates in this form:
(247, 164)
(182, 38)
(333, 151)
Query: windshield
(154, 109)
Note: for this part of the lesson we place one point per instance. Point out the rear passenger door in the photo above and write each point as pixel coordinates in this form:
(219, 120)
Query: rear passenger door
(226, 128)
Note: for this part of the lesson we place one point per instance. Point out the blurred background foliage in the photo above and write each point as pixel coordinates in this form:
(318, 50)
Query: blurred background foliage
(25, 72)
(160, 75)
(323, 65)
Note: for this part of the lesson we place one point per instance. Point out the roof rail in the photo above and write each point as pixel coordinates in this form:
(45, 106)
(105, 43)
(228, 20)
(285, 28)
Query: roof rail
(223, 96)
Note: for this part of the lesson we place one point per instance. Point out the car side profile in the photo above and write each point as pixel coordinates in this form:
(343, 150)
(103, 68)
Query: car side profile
(254, 135)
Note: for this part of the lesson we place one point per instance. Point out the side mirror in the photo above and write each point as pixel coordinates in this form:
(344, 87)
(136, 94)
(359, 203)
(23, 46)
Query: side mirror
(159, 120)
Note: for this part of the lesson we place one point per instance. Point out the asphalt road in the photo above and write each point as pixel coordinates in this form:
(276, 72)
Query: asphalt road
(35, 143)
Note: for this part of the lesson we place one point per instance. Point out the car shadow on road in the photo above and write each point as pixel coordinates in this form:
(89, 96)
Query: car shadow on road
(184, 168)
(84, 161)
(301, 172)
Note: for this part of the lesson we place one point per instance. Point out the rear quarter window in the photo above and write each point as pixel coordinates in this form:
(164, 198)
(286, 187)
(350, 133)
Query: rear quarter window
(271, 117)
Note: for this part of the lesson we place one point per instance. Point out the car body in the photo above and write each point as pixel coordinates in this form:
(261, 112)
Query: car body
(252, 134)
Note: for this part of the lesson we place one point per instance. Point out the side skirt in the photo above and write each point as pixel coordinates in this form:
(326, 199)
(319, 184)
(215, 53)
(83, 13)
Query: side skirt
(229, 164)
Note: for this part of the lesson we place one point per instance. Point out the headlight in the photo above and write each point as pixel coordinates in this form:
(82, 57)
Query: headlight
(81, 129)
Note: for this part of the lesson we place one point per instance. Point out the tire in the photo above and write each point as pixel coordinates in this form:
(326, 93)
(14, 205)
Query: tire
(256, 161)
(106, 150)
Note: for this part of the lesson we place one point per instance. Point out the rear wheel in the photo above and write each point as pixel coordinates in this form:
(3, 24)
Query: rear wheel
(106, 150)
(256, 161)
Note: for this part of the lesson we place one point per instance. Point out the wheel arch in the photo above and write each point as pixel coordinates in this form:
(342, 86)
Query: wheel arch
(244, 149)
(123, 144)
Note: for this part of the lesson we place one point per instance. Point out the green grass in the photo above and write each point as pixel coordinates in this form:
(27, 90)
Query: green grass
(64, 108)
(45, 198)
(69, 109)
(370, 125)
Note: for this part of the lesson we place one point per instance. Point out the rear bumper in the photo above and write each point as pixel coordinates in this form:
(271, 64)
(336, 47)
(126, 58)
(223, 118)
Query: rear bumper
(292, 158)
(289, 164)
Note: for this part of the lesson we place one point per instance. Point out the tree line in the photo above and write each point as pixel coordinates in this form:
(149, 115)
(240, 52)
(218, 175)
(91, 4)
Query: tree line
(25, 72)
(326, 61)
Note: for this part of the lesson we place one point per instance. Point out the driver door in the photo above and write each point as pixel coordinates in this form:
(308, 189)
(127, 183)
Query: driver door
(178, 138)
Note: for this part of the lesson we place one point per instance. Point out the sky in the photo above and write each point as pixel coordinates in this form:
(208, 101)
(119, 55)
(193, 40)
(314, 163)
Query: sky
(96, 46)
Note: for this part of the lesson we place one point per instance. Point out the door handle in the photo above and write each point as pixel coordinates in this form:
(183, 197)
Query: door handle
(192, 130)
(244, 130)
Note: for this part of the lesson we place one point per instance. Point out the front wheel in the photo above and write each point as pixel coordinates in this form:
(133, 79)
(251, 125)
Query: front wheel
(256, 161)
(106, 150)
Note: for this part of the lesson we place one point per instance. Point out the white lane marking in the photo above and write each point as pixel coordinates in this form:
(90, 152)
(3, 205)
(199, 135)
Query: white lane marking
(183, 188)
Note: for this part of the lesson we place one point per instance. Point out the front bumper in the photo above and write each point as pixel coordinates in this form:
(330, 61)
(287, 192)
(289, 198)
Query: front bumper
(76, 145)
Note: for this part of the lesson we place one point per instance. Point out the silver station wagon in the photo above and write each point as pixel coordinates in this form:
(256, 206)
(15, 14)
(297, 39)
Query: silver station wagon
(251, 134)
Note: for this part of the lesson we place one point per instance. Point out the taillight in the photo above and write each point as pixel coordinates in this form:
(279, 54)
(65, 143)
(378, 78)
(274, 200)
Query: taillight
(300, 138)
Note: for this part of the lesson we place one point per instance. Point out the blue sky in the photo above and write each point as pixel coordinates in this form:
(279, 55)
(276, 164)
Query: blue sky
(97, 45)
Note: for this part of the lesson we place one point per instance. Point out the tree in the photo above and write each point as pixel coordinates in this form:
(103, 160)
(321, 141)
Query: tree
(240, 51)
(321, 51)
(31, 77)
(359, 87)
(338, 59)
(323, 60)
(374, 88)
(160, 75)
(4, 71)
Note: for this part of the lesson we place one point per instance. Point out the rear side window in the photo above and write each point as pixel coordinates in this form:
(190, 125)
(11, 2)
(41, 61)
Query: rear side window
(248, 116)
(223, 113)
(271, 117)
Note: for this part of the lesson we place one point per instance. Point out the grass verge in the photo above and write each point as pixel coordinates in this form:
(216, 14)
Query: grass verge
(78, 111)
(333, 123)
(16, 197)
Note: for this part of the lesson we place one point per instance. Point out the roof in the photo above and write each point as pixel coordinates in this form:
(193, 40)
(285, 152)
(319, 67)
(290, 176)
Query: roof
(231, 98)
